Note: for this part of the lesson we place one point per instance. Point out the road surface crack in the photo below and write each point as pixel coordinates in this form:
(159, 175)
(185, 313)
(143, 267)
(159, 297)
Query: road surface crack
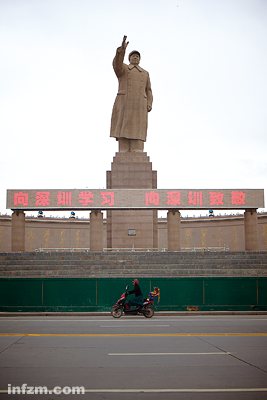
(234, 356)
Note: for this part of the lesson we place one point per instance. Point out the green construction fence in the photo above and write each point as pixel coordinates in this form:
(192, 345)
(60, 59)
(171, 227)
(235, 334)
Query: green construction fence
(99, 294)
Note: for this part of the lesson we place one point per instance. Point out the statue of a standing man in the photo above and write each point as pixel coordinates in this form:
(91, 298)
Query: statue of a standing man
(133, 101)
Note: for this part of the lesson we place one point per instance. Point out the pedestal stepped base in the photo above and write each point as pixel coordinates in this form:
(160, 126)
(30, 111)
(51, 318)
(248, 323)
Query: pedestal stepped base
(132, 170)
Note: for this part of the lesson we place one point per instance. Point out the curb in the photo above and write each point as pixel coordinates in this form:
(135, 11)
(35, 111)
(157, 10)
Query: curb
(102, 314)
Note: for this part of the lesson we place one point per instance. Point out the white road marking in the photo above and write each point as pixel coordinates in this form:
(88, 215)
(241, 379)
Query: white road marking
(166, 390)
(171, 354)
(131, 326)
(234, 390)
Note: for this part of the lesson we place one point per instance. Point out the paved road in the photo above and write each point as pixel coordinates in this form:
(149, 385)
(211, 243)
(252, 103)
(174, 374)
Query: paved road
(165, 358)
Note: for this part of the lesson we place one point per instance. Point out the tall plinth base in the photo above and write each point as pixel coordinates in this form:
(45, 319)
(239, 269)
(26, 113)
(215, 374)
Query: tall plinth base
(132, 228)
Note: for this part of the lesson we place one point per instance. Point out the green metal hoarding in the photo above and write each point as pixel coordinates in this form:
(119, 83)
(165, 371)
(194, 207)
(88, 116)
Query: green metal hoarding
(98, 294)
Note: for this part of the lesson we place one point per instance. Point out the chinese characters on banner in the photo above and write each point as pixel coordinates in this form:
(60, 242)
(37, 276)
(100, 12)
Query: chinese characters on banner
(194, 198)
(63, 199)
(135, 198)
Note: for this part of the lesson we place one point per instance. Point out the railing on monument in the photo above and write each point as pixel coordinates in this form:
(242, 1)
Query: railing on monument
(133, 249)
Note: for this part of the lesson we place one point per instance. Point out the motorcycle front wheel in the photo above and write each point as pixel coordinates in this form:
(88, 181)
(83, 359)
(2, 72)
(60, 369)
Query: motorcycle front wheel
(116, 312)
(148, 312)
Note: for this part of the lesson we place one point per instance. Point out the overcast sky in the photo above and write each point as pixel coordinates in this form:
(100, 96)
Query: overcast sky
(207, 61)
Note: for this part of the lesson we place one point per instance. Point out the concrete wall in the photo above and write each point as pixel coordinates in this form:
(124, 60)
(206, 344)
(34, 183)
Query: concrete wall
(225, 231)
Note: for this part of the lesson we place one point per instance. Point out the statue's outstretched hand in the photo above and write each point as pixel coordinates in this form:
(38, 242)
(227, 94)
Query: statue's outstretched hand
(124, 43)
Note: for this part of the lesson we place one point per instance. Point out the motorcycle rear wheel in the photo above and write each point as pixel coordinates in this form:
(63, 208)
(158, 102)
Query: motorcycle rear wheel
(148, 312)
(116, 312)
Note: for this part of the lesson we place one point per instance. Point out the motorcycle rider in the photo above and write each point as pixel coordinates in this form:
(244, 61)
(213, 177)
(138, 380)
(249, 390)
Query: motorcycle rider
(138, 295)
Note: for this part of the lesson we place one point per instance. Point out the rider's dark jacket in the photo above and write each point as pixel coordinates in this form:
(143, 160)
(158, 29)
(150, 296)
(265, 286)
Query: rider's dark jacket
(138, 295)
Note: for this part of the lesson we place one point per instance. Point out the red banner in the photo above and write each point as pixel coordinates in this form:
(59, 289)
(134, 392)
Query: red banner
(89, 199)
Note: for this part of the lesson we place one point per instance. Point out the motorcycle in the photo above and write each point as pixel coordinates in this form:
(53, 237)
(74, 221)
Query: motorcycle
(146, 309)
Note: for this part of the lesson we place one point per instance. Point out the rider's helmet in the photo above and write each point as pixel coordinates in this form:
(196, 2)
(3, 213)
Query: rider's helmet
(135, 282)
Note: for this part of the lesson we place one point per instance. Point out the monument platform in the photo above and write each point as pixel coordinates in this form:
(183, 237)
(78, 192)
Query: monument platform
(132, 228)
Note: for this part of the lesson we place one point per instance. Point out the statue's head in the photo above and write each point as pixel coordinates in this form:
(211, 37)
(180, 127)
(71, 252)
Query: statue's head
(134, 57)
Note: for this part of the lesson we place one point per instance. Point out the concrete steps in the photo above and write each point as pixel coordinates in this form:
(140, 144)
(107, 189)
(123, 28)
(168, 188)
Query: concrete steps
(131, 264)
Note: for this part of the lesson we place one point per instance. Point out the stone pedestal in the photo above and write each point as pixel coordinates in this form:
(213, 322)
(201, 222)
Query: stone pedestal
(18, 231)
(96, 231)
(173, 226)
(132, 228)
(251, 230)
